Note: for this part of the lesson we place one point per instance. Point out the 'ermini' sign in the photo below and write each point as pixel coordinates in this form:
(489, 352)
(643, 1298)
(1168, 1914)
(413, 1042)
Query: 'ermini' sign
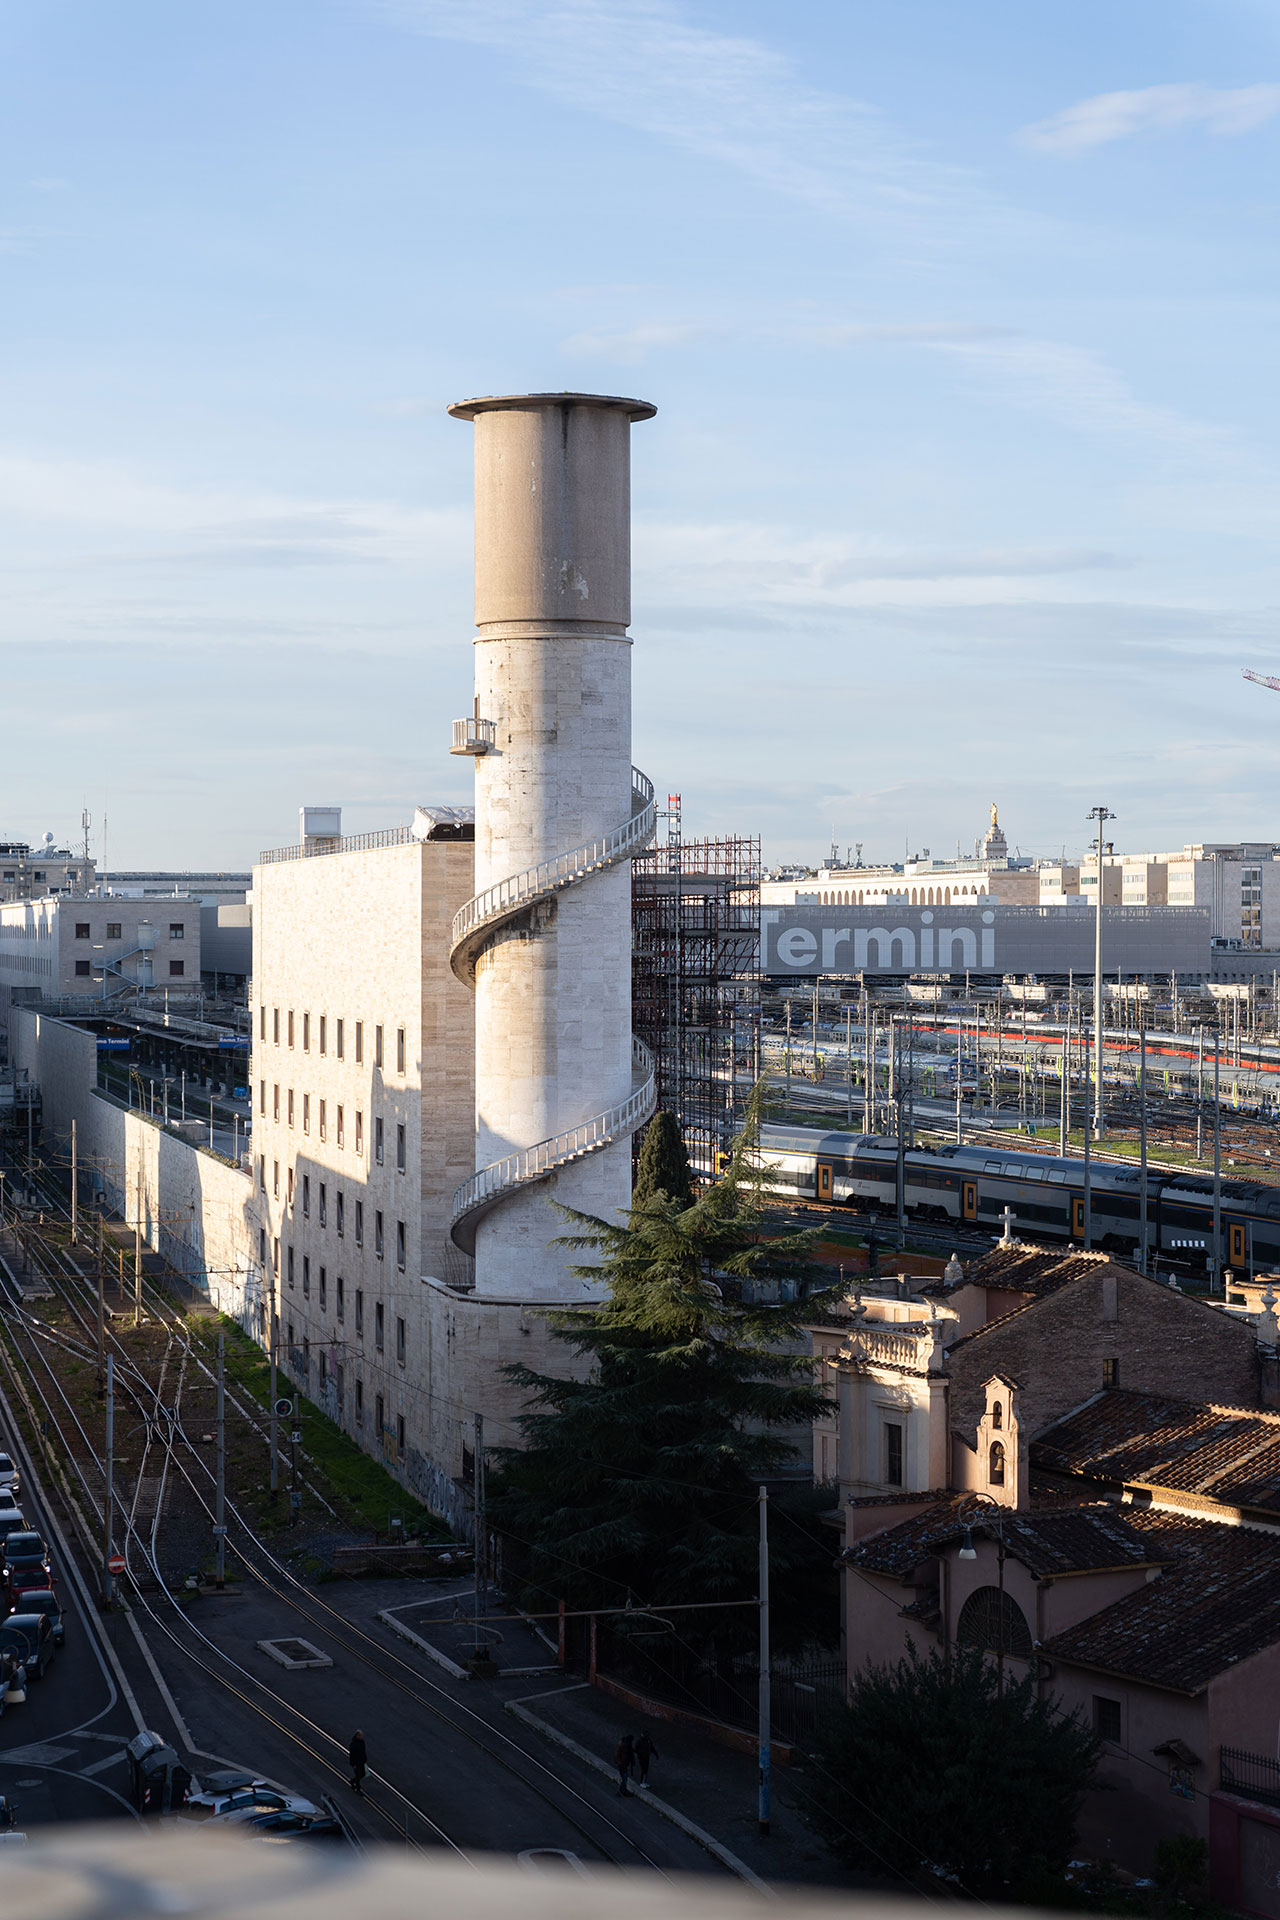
(981, 939)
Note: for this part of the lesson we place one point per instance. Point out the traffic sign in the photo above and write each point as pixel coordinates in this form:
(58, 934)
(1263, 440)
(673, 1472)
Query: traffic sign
(283, 1409)
(115, 1563)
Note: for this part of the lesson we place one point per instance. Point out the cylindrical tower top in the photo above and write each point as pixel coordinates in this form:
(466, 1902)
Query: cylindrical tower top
(553, 508)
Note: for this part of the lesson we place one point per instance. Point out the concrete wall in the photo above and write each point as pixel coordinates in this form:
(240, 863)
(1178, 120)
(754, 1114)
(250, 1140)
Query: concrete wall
(194, 1207)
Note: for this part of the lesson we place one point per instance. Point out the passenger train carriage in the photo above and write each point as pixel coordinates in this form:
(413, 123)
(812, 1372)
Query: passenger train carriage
(974, 1184)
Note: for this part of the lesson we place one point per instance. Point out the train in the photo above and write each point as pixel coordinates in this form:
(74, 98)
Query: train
(972, 1186)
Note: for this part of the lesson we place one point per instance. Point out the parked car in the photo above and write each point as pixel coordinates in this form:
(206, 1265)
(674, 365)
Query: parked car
(8, 1474)
(24, 1580)
(229, 1793)
(286, 1826)
(11, 1523)
(23, 1544)
(9, 1500)
(30, 1636)
(44, 1600)
(13, 1679)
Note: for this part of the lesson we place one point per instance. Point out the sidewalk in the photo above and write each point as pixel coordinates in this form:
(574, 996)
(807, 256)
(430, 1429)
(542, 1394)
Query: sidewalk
(710, 1785)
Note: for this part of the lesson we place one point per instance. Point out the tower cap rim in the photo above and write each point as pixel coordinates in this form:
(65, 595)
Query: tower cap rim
(520, 402)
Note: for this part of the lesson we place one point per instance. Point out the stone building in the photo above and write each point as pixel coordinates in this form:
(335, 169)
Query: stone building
(92, 947)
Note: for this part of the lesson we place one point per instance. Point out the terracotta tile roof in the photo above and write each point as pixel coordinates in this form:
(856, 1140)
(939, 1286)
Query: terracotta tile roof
(1218, 1603)
(1026, 1268)
(1224, 1454)
(1068, 1540)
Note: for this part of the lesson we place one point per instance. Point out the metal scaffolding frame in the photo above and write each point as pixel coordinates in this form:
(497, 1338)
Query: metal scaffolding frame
(695, 979)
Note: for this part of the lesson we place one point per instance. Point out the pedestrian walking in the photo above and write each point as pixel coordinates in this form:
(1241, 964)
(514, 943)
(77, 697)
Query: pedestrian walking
(624, 1755)
(645, 1752)
(358, 1759)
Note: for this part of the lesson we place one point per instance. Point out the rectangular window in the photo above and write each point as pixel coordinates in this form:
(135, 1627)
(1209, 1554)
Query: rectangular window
(83, 969)
(288, 1264)
(359, 1401)
(306, 1276)
(377, 1141)
(359, 1131)
(275, 1256)
(177, 931)
(377, 1415)
(359, 1042)
(324, 1290)
(290, 1026)
(893, 1453)
(324, 1127)
(306, 1033)
(359, 1223)
(114, 933)
(377, 1046)
(289, 1333)
(324, 1204)
(360, 1311)
(262, 1023)
(400, 1050)
(275, 1178)
(306, 1196)
(379, 1325)
(1106, 1718)
(377, 1233)
(306, 1113)
(289, 1186)
(340, 1209)
(290, 1106)
(401, 1154)
(400, 1340)
(324, 1033)
(262, 1098)
(275, 1100)
(262, 1171)
(400, 1245)
(82, 930)
(262, 1247)
(339, 1047)
(341, 1129)
(340, 1297)
(400, 1432)
(177, 969)
(275, 1026)
(306, 1359)
(1111, 1373)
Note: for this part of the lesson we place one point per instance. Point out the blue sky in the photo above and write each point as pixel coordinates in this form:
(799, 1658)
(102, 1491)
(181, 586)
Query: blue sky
(961, 322)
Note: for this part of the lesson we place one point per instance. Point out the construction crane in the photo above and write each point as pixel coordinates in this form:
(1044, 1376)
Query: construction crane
(1262, 679)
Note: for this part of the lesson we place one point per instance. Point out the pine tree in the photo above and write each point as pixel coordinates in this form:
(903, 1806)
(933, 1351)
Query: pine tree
(638, 1482)
(664, 1164)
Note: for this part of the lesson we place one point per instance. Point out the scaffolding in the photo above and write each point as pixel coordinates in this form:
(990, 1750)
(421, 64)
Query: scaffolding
(695, 979)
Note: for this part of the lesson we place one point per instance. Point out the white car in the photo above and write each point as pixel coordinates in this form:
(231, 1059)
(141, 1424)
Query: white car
(227, 1794)
(8, 1475)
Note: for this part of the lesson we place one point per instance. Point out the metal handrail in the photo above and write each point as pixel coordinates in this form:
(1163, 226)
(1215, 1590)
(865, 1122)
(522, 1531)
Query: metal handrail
(484, 1189)
(473, 732)
(510, 896)
(353, 843)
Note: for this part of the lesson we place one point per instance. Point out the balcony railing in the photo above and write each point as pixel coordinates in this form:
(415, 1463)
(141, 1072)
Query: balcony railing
(474, 736)
(1252, 1775)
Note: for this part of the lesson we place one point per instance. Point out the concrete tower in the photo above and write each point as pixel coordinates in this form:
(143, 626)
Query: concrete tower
(560, 811)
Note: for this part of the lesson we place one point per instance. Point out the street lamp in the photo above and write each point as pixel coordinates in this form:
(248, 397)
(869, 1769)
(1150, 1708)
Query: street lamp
(1101, 815)
(991, 1510)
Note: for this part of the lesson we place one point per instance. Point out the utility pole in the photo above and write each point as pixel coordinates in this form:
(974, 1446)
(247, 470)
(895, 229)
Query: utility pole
(109, 1493)
(1200, 1095)
(75, 1186)
(1088, 1180)
(869, 1065)
(900, 1130)
(102, 1318)
(787, 1060)
(1142, 1136)
(765, 1703)
(137, 1252)
(273, 1341)
(220, 1489)
(1101, 815)
(211, 1123)
(1217, 1168)
(478, 1519)
(183, 1096)
(959, 1076)
(1064, 1100)
(848, 1061)
(815, 1029)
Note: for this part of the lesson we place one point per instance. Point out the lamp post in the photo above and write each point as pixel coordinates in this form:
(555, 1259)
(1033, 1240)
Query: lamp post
(1101, 815)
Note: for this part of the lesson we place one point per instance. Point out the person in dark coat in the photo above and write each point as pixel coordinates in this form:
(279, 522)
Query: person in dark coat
(645, 1752)
(358, 1758)
(624, 1755)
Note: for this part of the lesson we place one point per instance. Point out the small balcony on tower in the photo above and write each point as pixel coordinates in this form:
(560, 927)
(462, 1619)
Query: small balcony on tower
(474, 736)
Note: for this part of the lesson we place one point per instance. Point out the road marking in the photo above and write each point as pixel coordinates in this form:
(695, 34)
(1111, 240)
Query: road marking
(39, 1754)
(100, 1766)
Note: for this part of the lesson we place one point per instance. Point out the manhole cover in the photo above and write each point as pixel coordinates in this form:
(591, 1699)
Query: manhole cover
(294, 1653)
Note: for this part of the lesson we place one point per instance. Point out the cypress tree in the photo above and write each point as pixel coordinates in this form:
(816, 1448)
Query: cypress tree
(664, 1164)
(638, 1479)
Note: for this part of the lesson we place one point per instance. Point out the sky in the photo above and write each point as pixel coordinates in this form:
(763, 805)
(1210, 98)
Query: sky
(960, 321)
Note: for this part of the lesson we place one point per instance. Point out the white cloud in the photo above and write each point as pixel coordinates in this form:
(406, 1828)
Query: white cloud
(1117, 116)
(727, 97)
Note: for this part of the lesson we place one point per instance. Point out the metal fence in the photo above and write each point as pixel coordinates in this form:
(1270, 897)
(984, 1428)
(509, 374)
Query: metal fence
(353, 843)
(1250, 1774)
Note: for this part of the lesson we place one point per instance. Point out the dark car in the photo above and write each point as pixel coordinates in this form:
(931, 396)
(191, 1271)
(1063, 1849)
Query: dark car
(44, 1600)
(284, 1825)
(30, 1636)
(24, 1580)
(11, 1523)
(23, 1545)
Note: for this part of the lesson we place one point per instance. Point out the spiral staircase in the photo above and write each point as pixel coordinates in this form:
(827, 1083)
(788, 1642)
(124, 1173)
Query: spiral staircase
(472, 927)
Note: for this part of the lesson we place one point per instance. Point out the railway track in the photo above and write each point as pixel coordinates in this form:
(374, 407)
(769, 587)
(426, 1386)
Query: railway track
(170, 1461)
